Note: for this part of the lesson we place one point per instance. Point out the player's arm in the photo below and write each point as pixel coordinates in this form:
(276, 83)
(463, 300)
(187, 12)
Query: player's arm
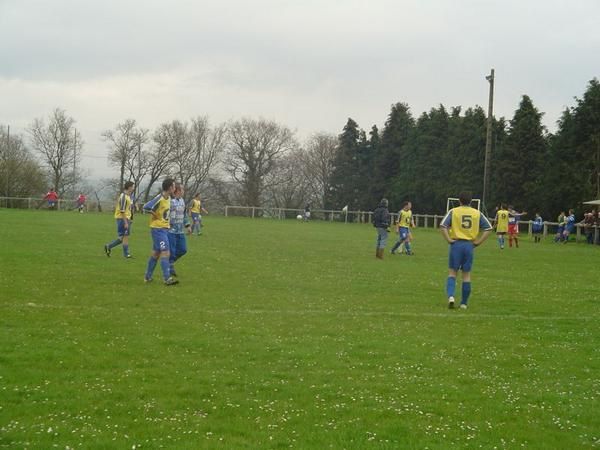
(153, 205)
(204, 210)
(486, 226)
(447, 235)
(445, 225)
(482, 237)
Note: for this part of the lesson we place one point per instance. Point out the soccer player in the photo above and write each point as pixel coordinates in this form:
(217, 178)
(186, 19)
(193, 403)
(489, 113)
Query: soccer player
(513, 226)
(123, 217)
(537, 227)
(561, 227)
(177, 242)
(81, 202)
(569, 226)
(381, 221)
(52, 198)
(195, 211)
(159, 208)
(405, 222)
(461, 227)
(306, 216)
(501, 222)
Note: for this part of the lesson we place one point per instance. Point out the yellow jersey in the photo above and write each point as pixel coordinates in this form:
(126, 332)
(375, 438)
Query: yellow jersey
(405, 219)
(123, 207)
(502, 221)
(464, 223)
(160, 211)
(196, 206)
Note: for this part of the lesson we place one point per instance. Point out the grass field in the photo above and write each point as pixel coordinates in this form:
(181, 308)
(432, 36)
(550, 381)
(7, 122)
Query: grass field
(285, 334)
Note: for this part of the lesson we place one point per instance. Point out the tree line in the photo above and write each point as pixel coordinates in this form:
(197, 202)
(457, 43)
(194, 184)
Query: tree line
(258, 162)
(435, 156)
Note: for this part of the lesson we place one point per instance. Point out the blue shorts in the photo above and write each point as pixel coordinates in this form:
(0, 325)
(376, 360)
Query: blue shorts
(178, 246)
(121, 230)
(461, 256)
(403, 233)
(196, 217)
(160, 239)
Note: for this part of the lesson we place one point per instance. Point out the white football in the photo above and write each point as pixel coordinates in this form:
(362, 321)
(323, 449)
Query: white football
(299, 217)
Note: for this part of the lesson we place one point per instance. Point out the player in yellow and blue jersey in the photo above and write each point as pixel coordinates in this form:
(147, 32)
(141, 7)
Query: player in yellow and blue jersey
(159, 208)
(405, 222)
(501, 222)
(461, 228)
(123, 217)
(195, 211)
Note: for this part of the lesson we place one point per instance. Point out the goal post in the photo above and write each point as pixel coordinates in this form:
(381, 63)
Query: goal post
(453, 202)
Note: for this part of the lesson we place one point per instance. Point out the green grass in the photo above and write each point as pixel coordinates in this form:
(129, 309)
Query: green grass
(291, 335)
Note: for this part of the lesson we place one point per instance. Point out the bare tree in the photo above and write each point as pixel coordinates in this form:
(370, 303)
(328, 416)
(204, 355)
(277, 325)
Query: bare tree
(206, 145)
(60, 146)
(287, 187)
(20, 174)
(160, 158)
(254, 148)
(126, 143)
(318, 164)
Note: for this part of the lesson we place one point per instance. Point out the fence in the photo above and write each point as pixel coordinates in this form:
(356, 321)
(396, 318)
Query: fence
(61, 204)
(421, 220)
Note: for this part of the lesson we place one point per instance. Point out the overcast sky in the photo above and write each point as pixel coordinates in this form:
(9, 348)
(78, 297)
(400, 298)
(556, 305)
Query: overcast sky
(306, 64)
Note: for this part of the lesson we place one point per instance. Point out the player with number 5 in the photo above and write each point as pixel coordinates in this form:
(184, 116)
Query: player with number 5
(461, 228)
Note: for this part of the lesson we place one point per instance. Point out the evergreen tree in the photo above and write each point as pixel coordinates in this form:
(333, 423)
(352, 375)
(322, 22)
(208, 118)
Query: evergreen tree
(390, 156)
(346, 174)
(425, 173)
(522, 159)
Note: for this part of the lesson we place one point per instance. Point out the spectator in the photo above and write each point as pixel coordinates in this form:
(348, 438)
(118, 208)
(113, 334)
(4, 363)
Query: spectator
(381, 221)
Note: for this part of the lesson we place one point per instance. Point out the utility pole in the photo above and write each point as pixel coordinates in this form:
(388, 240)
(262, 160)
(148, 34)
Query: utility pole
(488, 141)
(6, 171)
(74, 162)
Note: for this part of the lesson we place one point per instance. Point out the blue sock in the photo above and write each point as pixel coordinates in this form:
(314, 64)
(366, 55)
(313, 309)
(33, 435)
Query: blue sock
(125, 249)
(164, 265)
(395, 247)
(114, 243)
(499, 241)
(151, 265)
(466, 292)
(450, 286)
(407, 247)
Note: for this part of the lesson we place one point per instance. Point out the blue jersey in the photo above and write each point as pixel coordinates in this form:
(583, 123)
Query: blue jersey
(177, 216)
(538, 225)
(570, 223)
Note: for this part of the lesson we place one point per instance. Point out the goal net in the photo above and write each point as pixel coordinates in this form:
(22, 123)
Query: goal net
(454, 202)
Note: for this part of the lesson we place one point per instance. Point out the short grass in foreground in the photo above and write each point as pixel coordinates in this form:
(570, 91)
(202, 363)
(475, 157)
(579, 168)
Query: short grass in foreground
(288, 334)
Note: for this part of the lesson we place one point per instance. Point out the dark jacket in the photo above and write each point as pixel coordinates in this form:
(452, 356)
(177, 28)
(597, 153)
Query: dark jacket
(381, 217)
